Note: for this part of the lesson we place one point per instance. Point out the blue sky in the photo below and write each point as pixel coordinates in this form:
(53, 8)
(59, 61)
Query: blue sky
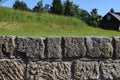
(103, 6)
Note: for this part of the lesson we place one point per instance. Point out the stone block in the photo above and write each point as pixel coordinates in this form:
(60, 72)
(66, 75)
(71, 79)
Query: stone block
(48, 71)
(11, 70)
(28, 47)
(84, 70)
(73, 47)
(6, 47)
(117, 47)
(99, 47)
(54, 47)
(110, 70)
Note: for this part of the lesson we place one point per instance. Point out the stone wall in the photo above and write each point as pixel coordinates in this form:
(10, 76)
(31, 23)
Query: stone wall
(59, 58)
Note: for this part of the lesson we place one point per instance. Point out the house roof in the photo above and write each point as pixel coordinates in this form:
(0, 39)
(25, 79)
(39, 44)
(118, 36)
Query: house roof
(116, 15)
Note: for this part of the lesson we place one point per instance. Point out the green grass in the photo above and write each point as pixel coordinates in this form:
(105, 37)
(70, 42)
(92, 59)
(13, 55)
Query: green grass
(21, 23)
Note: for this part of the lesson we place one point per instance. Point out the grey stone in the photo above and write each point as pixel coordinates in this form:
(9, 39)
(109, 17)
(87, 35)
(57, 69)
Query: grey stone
(84, 70)
(110, 70)
(117, 46)
(29, 47)
(54, 47)
(11, 70)
(74, 47)
(31, 70)
(99, 47)
(49, 71)
(6, 47)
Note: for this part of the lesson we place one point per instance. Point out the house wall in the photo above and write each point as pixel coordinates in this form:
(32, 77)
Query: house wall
(110, 24)
(59, 58)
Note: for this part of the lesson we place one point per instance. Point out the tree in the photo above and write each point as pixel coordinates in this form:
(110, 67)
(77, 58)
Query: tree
(84, 15)
(93, 19)
(20, 5)
(94, 11)
(38, 7)
(76, 11)
(68, 6)
(56, 7)
(112, 10)
(71, 9)
(1, 1)
(46, 8)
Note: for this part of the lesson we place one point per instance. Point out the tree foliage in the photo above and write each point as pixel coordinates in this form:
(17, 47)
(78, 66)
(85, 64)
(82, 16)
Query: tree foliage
(84, 15)
(56, 7)
(112, 10)
(46, 8)
(38, 7)
(1, 1)
(71, 9)
(93, 19)
(20, 5)
(76, 11)
(68, 8)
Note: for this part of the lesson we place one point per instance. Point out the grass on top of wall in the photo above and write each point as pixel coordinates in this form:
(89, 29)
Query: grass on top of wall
(22, 23)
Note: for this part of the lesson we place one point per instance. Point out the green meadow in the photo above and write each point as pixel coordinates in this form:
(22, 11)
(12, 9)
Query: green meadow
(22, 23)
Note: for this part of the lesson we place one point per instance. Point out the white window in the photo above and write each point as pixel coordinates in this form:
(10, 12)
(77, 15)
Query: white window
(108, 17)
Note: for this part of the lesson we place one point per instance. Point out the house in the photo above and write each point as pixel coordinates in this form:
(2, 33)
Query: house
(111, 21)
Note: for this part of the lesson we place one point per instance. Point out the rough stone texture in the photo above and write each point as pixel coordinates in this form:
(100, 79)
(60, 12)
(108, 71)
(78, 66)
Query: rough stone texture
(74, 47)
(99, 47)
(31, 51)
(48, 71)
(86, 70)
(29, 47)
(110, 70)
(117, 46)
(11, 70)
(6, 47)
(32, 71)
(54, 47)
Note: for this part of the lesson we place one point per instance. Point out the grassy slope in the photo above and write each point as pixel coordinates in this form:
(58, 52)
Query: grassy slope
(20, 23)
